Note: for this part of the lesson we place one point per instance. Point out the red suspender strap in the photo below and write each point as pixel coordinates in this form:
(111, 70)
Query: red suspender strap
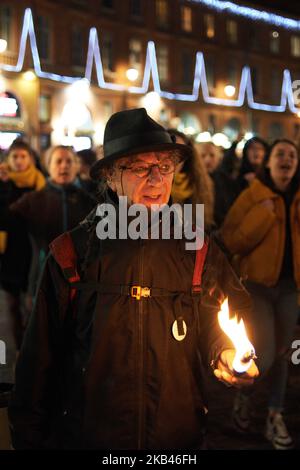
(63, 251)
(198, 268)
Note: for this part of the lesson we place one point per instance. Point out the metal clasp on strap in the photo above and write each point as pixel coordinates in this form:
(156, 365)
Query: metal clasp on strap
(138, 291)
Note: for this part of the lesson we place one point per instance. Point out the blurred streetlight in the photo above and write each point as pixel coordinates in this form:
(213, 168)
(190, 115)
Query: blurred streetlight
(79, 91)
(221, 140)
(229, 90)
(3, 45)
(152, 102)
(29, 75)
(203, 137)
(2, 84)
(248, 135)
(132, 74)
(190, 130)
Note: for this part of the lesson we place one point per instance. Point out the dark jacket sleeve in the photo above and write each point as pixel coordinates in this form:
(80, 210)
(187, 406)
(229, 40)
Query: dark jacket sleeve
(16, 213)
(36, 393)
(219, 282)
(22, 206)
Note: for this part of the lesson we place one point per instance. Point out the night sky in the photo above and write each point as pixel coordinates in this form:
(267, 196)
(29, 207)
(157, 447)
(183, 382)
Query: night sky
(284, 6)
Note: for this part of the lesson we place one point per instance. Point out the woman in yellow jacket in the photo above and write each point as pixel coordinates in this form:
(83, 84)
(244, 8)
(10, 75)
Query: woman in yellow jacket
(262, 232)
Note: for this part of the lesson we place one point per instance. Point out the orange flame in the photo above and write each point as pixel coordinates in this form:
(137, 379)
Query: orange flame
(237, 333)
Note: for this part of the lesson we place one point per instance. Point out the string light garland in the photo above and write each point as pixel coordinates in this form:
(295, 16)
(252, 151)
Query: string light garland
(251, 13)
(245, 93)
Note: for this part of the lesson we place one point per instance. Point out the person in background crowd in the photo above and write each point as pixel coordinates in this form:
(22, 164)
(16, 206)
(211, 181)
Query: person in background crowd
(230, 164)
(262, 229)
(224, 186)
(192, 183)
(18, 176)
(254, 152)
(211, 155)
(58, 207)
(87, 158)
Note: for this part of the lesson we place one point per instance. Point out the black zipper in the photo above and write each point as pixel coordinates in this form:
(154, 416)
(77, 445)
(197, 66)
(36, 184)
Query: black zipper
(141, 400)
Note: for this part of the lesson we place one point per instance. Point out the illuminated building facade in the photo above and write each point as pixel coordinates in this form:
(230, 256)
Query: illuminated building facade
(231, 71)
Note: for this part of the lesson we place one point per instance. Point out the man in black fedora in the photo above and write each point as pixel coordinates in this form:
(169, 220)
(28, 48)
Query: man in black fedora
(123, 329)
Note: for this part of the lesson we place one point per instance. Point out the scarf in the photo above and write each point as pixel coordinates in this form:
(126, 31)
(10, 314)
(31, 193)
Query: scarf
(30, 178)
(181, 188)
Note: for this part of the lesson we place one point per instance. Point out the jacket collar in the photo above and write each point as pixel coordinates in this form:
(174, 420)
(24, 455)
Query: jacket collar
(260, 192)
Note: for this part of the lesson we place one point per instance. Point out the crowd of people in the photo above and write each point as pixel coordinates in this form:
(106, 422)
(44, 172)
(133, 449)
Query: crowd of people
(252, 217)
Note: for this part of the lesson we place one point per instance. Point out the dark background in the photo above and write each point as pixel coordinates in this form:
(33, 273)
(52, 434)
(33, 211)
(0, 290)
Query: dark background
(289, 7)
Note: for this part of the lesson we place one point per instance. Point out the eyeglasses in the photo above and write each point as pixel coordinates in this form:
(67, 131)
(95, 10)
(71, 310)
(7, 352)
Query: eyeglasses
(142, 170)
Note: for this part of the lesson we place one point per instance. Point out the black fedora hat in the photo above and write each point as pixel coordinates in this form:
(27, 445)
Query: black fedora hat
(131, 132)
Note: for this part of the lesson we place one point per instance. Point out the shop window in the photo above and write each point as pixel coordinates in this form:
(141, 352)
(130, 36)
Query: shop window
(107, 52)
(45, 108)
(212, 126)
(274, 42)
(255, 80)
(162, 63)
(107, 110)
(253, 37)
(275, 131)
(45, 141)
(43, 37)
(189, 123)
(254, 125)
(209, 25)
(109, 4)
(5, 23)
(135, 54)
(296, 132)
(135, 8)
(295, 46)
(187, 68)
(186, 19)
(210, 73)
(276, 81)
(232, 128)
(77, 41)
(162, 15)
(232, 74)
(232, 31)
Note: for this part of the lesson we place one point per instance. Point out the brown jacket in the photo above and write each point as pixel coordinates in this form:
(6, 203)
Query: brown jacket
(257, 234)
(109, 374)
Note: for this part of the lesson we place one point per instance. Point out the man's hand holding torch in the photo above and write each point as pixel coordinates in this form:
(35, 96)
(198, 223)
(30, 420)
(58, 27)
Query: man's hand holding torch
(235, 367)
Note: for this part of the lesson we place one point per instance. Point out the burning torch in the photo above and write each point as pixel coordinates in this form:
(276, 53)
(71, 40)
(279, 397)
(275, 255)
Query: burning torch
(235, 330)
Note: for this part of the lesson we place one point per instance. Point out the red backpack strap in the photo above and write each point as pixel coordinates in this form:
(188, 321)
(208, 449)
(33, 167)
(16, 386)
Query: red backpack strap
(198, 268)
(63, 251)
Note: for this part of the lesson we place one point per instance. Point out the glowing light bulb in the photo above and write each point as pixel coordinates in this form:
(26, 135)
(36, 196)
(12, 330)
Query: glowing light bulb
(132, 74)
(229, 90)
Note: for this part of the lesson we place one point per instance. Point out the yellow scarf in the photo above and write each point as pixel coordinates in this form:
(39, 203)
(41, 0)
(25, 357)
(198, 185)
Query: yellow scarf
(3, 242)
(30, 178)
(181, 189)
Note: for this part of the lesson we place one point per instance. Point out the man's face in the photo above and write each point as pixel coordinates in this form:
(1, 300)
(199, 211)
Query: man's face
(154, 188)
(63, 166)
